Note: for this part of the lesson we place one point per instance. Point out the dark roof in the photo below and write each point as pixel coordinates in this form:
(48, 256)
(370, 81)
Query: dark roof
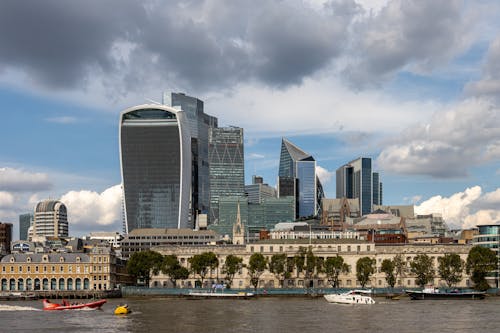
(296, 153)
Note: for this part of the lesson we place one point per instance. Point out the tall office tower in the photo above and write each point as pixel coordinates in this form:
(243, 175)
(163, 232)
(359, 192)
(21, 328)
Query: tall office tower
(155, 156)
(199, 125)
(5, 237)
(258, 190)
(356, 180)
(297, 176)
(227, 171)
(25, 221)
(51, 219)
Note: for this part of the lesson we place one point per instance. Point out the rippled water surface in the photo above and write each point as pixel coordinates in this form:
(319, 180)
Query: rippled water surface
(270, 314)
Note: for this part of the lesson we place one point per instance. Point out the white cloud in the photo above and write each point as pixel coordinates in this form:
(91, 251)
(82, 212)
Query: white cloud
(6, 199)
(15, 180)
(92, 211)
(324, 175)
(454, 140)
(464, 209)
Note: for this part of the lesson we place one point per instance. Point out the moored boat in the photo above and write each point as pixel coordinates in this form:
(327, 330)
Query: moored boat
(213, 294)
(65, 305)
(435, 293)
(351, 297)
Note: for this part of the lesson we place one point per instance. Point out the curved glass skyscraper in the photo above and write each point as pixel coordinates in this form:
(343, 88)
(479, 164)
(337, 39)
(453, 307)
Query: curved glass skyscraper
(155, 159)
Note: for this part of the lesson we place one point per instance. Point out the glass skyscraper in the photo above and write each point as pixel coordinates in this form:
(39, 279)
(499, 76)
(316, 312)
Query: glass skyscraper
(199, 125)
(155, 157)
(356, 180)
(297, 177)
(25, 222)
(227, 171)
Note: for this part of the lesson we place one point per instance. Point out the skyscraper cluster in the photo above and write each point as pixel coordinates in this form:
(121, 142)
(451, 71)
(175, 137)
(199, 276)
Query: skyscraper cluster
(178, 168)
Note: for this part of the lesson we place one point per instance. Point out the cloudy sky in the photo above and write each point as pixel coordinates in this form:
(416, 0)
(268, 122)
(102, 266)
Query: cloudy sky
(415, 85)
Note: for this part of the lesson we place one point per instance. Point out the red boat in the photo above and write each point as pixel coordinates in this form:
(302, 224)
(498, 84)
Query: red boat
(65, 305)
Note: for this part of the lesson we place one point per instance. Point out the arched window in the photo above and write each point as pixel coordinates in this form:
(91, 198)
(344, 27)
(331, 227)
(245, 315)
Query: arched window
(37, 284)
(20, 285)
(86, 284)
(70, 284)
(29, 284)
(4, 284)
(12, 284)
(61, 259)
(61, 284)
(78, 284)
(45, 284)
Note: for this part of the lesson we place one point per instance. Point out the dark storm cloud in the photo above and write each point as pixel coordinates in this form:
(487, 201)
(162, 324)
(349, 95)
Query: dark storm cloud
(421, 33)
(201, 44)
(57, 42)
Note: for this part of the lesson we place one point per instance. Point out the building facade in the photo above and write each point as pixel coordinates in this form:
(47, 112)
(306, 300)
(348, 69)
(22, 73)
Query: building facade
(51, 219)
(25, 222)
(199, 126)
(356, 180)
(5, 237)
(59, 271)
(489, 236)
(227, 166)
(349, 249)
(155, 158)
(297, 177)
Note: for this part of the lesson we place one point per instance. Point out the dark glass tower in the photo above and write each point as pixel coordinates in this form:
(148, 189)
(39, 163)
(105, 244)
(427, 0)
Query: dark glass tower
(227, 169)
(25, 222)
(155, 161)
(297, 176)
(356, 180)
(199, 125)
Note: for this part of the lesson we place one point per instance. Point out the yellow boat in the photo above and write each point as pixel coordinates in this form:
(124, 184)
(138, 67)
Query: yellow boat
(122, 309)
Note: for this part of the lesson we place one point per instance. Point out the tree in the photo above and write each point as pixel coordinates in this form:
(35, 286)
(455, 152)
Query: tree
(142, 264)
(333, 267)
(278, 266)
(399, 266)
(173, 269)
(311, 264)
(365, 267)
(423, 267)
(480, 261)
(257, 264)
(299, 260)
(231, 266)
(450, 268)
(203, 263)
(389, 268)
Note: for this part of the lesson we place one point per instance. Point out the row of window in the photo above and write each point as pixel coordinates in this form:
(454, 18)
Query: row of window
(172, 237)
(43, 284)
(339, 248)
(53, 269)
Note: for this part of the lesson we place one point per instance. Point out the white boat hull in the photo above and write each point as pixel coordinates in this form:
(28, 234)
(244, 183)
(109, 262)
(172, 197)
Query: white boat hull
(349, 299)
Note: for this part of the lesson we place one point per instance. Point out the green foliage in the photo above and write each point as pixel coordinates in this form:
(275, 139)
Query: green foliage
(311, 264)
(278, 266)
(257, 264)
(422, 266)
(173, 269)
(365, 267)
(203, 263)
(399, 266)
(231, 266)
(480, 262)
(450, 268)
(333, 267)
(389, 268)
(300, 260)
(142, 264)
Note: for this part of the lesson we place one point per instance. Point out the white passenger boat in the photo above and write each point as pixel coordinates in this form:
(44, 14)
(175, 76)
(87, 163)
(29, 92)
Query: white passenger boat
(351, 297)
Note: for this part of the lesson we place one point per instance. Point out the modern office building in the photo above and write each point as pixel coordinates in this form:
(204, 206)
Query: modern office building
(489, 236)
(199, 125)
(51, 219)
(155, 157)
(356, 180)
(5, 237)
(258, 190)
(297, 176)
(25, 222)
(227, 169)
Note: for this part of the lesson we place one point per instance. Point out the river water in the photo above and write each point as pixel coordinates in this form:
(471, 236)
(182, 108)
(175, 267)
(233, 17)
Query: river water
(265, 314)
